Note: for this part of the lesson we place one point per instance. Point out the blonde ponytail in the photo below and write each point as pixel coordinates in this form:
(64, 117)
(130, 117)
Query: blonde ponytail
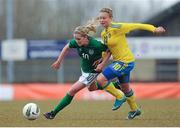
(92, 25)
(87, 29)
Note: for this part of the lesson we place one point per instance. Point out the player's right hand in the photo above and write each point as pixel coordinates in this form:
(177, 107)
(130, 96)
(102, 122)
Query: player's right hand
(55, 65)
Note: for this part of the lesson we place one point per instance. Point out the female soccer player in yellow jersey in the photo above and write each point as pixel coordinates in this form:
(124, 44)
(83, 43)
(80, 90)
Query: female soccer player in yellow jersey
(114, 36)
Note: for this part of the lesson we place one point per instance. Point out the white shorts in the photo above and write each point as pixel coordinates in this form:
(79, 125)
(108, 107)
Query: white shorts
(87, 78)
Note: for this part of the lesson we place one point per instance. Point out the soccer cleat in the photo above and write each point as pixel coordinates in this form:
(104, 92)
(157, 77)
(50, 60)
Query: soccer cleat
(49, 115)
(133, 114)
(118, 103)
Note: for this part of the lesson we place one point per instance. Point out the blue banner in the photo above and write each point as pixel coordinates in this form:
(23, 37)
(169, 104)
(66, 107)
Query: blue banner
(46, 49)
(43, 49)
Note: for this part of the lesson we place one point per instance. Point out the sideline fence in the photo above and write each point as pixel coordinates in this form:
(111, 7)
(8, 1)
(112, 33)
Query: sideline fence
(41, 91)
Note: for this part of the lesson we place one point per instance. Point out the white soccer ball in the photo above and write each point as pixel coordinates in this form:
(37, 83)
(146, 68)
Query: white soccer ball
(31, 111)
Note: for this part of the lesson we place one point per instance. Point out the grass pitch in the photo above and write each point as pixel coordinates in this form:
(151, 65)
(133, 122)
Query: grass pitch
(156, 113)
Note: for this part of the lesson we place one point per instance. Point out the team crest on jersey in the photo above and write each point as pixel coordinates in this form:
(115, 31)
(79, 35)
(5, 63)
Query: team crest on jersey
(91, 51)
(108, 35)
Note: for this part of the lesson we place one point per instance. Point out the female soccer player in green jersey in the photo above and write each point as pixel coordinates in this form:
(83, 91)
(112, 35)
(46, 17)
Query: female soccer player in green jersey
(90, 52)
(114, 37)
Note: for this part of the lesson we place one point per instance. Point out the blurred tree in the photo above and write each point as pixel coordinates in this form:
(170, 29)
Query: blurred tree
(56, 19)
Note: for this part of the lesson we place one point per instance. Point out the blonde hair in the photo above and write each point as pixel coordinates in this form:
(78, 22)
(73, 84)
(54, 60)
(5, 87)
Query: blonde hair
(107, 10)
(87, 29)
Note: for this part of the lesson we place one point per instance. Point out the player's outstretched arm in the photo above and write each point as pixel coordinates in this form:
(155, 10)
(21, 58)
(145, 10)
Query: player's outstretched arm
(127, 27)
(60, 58)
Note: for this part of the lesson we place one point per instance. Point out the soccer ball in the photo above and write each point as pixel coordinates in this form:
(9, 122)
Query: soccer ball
(31, 111)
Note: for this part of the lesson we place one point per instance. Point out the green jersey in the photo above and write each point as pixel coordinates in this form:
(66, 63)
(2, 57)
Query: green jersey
(88, 54)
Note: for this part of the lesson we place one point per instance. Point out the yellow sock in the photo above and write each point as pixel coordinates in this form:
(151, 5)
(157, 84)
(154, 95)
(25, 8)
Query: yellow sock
(113, 91)
(132, 103)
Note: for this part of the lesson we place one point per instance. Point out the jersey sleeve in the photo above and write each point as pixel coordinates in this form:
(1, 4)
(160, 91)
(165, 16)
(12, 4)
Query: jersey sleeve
(127, 27)
(72, 44)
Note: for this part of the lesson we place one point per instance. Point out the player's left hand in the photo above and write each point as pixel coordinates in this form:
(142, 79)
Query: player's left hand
(99, 67)
(159, 30)
(95, 64)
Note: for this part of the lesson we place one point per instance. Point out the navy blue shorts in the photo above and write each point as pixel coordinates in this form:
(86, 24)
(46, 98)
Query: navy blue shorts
(120, 70)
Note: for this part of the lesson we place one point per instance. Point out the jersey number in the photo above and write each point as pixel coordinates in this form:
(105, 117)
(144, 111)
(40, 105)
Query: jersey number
(117, 66)
(85, 56)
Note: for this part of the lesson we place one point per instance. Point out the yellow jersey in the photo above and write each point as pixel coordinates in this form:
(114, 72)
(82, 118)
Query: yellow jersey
(115, 38)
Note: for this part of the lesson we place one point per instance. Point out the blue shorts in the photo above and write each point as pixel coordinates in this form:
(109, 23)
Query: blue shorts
(120, 70)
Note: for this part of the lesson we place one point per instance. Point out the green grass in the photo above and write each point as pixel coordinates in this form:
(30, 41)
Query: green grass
(156, 113)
